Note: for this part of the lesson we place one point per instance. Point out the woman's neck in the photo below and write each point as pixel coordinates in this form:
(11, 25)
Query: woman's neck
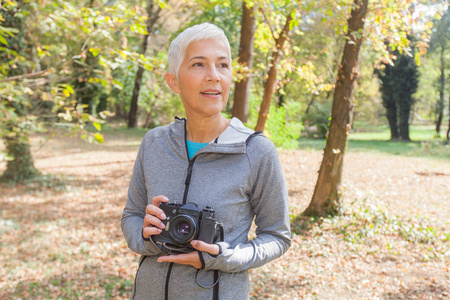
(205, 130)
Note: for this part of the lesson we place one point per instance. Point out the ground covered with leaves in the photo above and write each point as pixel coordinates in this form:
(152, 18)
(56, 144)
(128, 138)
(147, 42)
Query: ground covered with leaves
(60, 236)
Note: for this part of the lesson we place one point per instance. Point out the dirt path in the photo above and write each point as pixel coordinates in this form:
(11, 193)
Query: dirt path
(62, 238)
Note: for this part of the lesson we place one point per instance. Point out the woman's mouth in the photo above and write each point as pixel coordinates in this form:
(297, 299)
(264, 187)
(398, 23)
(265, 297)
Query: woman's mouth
(211, 92)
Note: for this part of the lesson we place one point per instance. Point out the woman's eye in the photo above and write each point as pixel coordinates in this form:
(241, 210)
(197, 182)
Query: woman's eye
(197, 64)
(224, 65)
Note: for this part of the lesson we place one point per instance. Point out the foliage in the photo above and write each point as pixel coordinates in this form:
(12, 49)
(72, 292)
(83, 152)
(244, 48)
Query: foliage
(317, 120)
(79, 53)
(282, 130)
(78, 65)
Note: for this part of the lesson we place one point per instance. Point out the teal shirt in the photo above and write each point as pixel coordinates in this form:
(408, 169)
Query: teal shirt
(193, 147)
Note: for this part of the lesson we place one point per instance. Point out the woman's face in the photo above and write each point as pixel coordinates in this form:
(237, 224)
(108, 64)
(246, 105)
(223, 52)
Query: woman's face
(204, 78)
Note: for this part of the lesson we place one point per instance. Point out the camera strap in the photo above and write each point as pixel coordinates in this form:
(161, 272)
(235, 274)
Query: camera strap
(217, 273)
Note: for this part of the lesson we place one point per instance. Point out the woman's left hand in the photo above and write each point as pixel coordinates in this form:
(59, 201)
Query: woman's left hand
(192, 258)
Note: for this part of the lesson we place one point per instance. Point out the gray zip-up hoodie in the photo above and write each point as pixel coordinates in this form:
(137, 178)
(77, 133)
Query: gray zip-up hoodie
(240, 178)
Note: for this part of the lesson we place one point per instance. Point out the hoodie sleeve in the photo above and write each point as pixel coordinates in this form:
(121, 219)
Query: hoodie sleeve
(134, 211)
(269, 201)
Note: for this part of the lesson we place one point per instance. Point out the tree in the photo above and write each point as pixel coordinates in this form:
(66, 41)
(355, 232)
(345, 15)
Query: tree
(153, 14)
(326, 198)
(406, 85)
(440, 41)
(398, 83)
(242, 86)
(36, 68)
(387, 95)
(16, 128)
(269, 84)
(390, 24)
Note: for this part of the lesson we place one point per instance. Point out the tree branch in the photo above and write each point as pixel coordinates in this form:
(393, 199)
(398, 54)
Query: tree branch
(268, 23)
(12, 78)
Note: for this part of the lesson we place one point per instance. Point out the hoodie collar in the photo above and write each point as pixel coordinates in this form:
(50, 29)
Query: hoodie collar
(232, 140)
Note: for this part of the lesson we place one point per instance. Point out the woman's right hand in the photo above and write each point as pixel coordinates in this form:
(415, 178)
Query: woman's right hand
(153, 216)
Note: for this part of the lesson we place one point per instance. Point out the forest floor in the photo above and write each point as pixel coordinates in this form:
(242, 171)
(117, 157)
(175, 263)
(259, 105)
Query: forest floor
(60, 237)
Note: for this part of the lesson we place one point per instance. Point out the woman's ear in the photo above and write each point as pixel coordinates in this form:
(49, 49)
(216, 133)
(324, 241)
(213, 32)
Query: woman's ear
(172, 82)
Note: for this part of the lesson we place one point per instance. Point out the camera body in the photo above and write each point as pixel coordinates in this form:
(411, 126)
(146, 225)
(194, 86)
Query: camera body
(184, 223)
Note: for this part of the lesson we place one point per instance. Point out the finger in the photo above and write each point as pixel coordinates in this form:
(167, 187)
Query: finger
(148, 231)
(150, 220)
(183, 259)
(154, 210)
(156, 201)
(205, 247)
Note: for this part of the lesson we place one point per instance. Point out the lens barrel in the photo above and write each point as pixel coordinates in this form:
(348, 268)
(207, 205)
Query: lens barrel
(183, 228)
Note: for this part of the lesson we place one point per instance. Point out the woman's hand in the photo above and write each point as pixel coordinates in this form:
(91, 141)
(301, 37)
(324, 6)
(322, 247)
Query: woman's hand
(153, 216)
(192, 258)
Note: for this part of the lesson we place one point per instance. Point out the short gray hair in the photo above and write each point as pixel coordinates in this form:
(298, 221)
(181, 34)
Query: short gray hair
(177, 49)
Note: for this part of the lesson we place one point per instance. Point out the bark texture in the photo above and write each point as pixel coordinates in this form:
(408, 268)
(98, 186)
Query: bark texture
(326, 198)
(242, 88)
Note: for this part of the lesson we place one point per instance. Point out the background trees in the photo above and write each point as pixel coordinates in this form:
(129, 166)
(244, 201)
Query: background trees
(440, 43)
(78, 61)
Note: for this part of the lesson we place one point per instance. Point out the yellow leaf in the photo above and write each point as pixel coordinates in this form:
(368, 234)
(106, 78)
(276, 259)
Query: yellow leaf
(99, 137)
(97, 126)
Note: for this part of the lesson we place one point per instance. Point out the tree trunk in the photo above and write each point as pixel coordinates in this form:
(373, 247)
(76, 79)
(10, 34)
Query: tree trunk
(391, 114)
(440, 105)
(242, 88)
(448, 130)
(21, 167)
(404, 123)
(326, 199)
(152, 17)
(270, 83)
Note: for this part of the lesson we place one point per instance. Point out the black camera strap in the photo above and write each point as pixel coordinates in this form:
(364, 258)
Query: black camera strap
(217, 273)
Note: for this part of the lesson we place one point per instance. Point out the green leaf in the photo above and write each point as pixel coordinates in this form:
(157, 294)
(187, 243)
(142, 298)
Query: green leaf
(3, 40)
(94, 51)
(69, 88)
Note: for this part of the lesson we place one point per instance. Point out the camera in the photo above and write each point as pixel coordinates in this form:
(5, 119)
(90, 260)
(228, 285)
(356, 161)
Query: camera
(184, 223)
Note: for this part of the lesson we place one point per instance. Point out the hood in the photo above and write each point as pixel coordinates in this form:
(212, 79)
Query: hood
(232, 140)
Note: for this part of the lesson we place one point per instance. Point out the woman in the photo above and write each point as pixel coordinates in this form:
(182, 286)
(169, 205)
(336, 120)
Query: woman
(211, 161)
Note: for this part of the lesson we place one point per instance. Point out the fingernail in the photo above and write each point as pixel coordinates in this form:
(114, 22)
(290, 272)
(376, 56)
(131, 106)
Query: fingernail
(162, 225)
(193, 243)
(163, 216)
(159, 230)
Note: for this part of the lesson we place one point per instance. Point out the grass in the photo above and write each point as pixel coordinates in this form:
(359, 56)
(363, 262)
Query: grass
(376, 139)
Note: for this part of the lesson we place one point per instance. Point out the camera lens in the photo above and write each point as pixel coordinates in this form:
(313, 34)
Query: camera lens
(183, 229)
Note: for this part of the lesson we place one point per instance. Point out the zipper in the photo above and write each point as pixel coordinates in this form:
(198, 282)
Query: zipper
(187, 183)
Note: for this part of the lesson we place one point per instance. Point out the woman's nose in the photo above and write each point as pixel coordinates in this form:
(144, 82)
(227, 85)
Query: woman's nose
(213, 74)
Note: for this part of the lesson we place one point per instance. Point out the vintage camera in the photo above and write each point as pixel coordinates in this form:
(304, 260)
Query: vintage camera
(185, 223)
